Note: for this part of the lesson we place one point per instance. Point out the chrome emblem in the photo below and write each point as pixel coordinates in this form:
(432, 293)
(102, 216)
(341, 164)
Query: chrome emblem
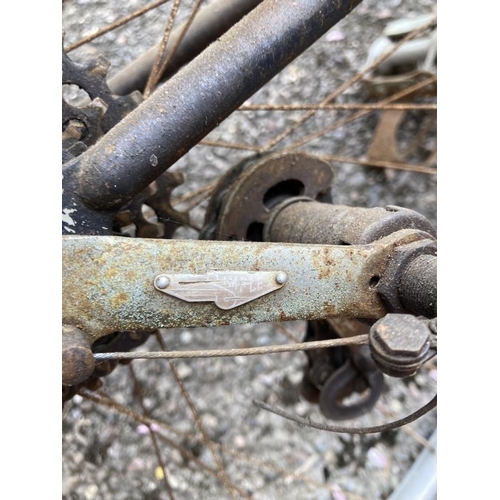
(227, 289)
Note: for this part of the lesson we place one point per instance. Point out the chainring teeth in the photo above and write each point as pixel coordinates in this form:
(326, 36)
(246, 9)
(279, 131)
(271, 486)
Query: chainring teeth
(105, 109)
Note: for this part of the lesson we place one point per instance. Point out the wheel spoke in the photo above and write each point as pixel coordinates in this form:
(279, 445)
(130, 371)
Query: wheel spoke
(138, 392)
(198, 423)
(337, 107)
(116, 24)
(153, 76)
(395, 97)
(276, 140)
(257, 129)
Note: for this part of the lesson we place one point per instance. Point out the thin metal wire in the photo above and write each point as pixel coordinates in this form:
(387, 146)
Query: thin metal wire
(220, 353)
(161, 49)
(197, 420)
(286, 332)
(171, 53)
(381, 164)
(195, 193)
(349, 83)
(348, 430)
(228, 145)
(334, 107)
(138, 392)
(363, 112)
(360, 114)
(116, 24)
(105, 400)
(416, 436)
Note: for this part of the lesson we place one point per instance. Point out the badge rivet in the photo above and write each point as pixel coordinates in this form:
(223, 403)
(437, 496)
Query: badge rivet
(280, 278)
(162, 282)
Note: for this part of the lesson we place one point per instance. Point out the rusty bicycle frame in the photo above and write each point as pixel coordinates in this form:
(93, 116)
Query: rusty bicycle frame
(111, 283)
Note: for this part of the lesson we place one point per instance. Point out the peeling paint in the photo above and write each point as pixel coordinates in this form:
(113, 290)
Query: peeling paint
(66, 217)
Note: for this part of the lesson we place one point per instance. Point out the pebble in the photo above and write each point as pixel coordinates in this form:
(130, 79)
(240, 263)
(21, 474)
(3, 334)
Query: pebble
(239, 442)
(209, 420)
(186, 337)
(184, 370)
(396, 406)
(142, 429)
(334, 35)
(91, 491)
(295, 377)
(376, 459)
(302, 408)
(159, 474)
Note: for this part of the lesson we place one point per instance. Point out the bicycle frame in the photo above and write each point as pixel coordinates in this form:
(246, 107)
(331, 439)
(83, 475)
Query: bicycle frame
(111, 283)
(187, 107)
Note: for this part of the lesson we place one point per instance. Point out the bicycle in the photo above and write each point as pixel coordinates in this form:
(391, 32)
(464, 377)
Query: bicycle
(292, 187)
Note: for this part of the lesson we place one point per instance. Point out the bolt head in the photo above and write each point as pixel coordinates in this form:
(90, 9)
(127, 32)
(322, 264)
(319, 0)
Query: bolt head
(399, 344)
(401, 334)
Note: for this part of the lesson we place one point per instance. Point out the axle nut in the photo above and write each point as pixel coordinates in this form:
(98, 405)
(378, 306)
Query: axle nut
(399, 344)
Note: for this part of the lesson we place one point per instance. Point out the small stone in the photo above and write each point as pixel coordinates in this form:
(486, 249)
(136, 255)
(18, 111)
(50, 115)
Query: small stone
(239, 442)
(385, 14)
(263, 340)
(209, 420)
(186, 337)
(295, 378)
(302, 408)
(159, 474)
(142, 429)
(173, 481)
(334, 36)
(376, 459)
(396, 406)
(184, 370)
(136, 465)
(91, 491)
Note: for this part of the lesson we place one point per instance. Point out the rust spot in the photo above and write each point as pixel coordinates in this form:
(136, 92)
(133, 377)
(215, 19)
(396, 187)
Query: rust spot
(111, 272)
(131, 275)
(330, 310)
(324, 263)
(120, 299)
(283, 316)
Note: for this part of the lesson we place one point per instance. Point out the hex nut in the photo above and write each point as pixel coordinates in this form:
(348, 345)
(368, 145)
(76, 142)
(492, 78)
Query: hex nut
(399, 344)
(402, 255)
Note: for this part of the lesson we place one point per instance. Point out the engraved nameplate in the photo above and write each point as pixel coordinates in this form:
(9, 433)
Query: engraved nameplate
(227, 289)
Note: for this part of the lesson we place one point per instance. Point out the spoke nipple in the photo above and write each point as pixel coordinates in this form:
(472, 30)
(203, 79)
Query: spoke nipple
(280, 278)
(162, 282)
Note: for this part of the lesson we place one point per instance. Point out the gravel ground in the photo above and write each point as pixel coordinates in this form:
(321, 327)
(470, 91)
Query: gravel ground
(109, 455)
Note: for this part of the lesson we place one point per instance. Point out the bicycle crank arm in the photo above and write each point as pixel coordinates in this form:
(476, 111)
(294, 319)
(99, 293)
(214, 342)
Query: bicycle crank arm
(119, 284)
